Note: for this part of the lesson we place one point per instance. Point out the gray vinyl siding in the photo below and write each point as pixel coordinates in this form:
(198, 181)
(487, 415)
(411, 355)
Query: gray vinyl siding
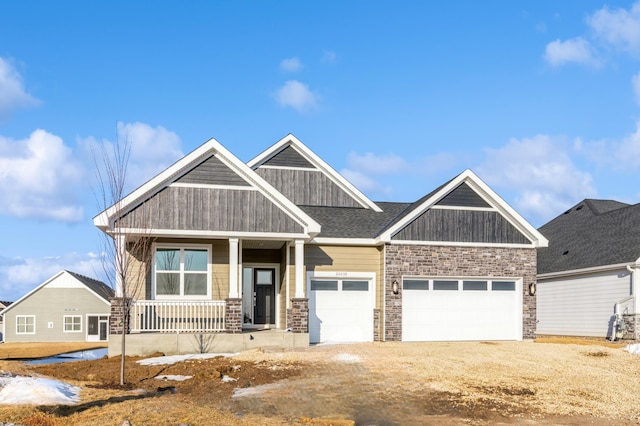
(580, 306)
(307, 187)
(52, 305)
(212, 172)
(289, 157)
(211, 209)
(463, 196)
(461, 226)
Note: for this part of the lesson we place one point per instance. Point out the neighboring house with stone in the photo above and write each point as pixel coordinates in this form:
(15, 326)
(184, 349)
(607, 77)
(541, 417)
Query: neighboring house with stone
(284, 242)
(67, 307)
(589, 271)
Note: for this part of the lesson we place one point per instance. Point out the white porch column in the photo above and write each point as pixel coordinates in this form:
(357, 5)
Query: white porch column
(121, 247)
(233, 269)
(301, 285)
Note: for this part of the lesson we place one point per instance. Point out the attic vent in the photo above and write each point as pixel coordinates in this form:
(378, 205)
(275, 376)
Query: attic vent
(579, 207)
(566, 252)
(567, 212)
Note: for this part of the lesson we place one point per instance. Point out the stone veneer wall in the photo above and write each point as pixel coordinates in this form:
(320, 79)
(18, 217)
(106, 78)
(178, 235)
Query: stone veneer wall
(632, 325)
(299, 322)
(458, 262)
(233, 315)
(116, 320)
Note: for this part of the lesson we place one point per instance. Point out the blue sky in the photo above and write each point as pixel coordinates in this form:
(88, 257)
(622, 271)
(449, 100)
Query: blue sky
(540, 98)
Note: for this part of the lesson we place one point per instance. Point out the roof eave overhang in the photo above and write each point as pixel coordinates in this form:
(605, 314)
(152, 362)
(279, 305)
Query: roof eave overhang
(589, 270)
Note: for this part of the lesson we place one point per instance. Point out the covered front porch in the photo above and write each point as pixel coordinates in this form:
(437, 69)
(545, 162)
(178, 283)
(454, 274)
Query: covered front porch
(247, 286)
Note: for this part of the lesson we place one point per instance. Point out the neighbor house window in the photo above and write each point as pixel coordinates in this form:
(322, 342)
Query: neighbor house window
(72, 323)
(25, 324)
(182, 272)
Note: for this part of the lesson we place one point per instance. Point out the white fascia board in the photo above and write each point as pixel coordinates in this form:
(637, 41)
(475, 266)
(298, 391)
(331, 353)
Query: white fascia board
(181, 233)
(346, 241)
(26, 296)
(333, 175)
(459, 244)
(498, 204)
(211, 147)
(593, 269)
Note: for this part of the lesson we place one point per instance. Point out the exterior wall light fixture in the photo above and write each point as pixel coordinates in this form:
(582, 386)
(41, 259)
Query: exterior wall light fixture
(395, 287)
(532, 289)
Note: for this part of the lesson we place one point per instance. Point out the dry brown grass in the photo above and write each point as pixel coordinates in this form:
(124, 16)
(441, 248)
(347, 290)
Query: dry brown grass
(569, 340)
(43, 350)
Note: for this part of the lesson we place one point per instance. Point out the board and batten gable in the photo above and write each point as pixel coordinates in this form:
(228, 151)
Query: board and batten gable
(305, 179)
(211, 209)
(49, 304)
(581, 305)
(462, 216)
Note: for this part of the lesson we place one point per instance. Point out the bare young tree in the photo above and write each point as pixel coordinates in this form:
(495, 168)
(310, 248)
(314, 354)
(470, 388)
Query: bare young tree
(126, 245)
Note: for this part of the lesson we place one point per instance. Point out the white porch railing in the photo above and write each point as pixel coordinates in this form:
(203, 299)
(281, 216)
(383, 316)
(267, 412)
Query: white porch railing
(177, 316)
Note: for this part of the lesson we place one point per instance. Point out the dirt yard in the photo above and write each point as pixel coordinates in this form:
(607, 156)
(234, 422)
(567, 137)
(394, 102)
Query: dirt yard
(477, 383)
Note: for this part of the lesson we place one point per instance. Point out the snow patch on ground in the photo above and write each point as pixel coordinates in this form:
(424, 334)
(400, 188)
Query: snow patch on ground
(348, 358)
(254, 391)
(172, 359)
(35, 390)
(227, 379)
(634, 349)
(174, 377)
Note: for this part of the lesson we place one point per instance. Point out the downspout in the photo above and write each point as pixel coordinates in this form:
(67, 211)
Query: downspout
(634, 284)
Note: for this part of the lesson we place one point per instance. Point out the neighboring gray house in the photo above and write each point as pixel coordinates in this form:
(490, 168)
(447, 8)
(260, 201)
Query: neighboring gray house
(285, 242)
(68, 307)
(589, 271)
(3, 304)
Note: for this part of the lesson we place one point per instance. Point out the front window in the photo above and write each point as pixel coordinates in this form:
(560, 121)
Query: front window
(72, 323)
(182, 272)
(25, 324)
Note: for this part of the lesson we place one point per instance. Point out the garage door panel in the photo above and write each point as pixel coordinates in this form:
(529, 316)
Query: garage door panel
(449, 315)
(344, 314)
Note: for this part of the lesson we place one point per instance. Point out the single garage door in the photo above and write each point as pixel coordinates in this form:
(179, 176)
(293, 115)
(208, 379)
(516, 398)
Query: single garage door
(340, 308)
(457, 309)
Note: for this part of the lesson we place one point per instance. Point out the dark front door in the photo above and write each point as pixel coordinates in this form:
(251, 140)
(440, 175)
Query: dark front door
(265, 290)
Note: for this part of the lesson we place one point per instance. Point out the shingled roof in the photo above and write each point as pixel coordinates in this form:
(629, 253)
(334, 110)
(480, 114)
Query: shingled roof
(98, 287)
(590, 234)
(347, 222)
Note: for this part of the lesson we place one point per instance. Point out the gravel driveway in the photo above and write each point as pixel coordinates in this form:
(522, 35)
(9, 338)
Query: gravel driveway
(449, 383)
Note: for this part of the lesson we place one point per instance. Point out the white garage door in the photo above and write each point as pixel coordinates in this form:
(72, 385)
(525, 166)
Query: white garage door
(451, 309)
(340, 308)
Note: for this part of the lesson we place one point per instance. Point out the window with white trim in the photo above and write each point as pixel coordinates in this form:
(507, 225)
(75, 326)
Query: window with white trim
(25, 324)
(72, 323)
(183, 272)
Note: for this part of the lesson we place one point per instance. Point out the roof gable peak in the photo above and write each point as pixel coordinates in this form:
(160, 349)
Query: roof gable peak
(309, 159)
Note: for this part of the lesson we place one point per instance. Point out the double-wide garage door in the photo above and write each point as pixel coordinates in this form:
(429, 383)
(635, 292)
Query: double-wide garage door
(451, 309)
(340, 308)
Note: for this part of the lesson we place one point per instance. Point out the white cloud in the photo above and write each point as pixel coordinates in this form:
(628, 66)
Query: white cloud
(619, 155)
(619, 28)
(363, 182)
(291, 65)
(328, 57)
(39, 178)
(18, 276)
(542, 173)
(296, 95)
(153, 149)
(13, 95)
(376, 164)
(575, 50)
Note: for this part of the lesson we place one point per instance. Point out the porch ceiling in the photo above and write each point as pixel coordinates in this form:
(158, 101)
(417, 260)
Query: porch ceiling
(262, 244)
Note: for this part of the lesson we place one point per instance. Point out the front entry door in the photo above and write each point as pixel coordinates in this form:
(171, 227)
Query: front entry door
(265, 293)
